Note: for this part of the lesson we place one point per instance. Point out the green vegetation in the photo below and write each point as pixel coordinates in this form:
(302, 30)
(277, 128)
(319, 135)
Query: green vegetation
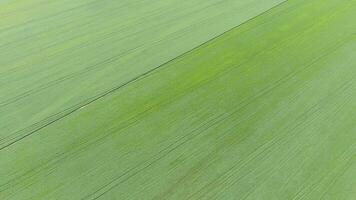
(57, 56)
(99, 100)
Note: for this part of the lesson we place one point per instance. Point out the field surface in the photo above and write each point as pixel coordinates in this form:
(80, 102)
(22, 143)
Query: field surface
(171, 99)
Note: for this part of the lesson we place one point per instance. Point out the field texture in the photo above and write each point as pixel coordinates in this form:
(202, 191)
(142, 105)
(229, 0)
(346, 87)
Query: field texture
(171, 99)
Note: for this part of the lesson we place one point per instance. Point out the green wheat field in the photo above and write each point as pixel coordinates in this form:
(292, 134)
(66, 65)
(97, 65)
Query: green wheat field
(177, 100)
